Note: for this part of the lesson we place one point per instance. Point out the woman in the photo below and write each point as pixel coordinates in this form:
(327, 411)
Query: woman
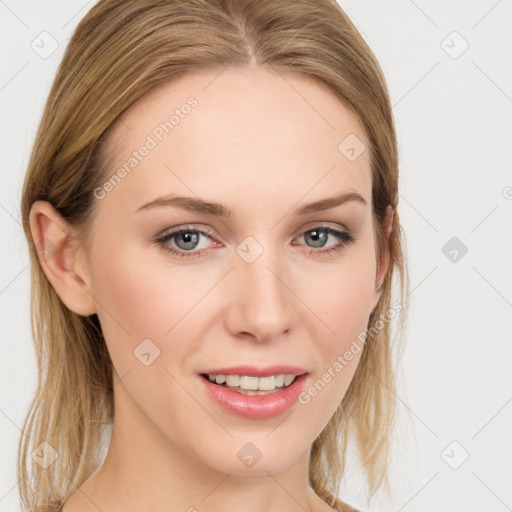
(211, 212)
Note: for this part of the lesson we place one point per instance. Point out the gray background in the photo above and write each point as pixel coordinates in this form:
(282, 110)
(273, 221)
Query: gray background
(453, 110)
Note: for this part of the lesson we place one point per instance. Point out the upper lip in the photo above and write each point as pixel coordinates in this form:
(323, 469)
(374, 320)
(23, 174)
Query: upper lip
(253, 371)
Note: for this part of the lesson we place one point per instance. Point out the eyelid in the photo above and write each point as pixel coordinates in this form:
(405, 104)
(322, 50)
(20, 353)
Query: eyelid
(324, 224)
(212, 234)
(176, 230)
(170, 233)
(343, 236)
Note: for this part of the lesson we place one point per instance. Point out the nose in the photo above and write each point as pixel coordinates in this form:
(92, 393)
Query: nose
(262, 301)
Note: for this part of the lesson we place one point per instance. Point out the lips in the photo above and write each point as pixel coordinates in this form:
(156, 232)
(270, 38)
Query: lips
(256, 407)
(253, 371)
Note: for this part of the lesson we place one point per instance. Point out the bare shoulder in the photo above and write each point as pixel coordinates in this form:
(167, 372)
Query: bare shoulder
(77, 503)
(85, 498)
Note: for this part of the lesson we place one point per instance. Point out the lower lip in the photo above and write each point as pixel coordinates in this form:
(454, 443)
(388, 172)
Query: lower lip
(256, 406)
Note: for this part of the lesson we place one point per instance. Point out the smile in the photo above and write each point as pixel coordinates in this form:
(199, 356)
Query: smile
(249, 385)
(242, 399)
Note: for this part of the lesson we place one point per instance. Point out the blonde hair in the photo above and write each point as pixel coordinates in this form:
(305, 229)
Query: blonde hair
(118, 52)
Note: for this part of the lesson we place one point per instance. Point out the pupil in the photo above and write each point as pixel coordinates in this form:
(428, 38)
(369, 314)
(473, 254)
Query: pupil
(189, 238)
(318, 235)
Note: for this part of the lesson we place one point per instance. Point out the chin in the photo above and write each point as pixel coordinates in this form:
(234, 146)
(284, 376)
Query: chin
(254, 457)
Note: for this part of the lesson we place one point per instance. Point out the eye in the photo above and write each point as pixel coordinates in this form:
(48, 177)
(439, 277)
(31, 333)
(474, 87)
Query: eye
(186, 240)
(319, 235)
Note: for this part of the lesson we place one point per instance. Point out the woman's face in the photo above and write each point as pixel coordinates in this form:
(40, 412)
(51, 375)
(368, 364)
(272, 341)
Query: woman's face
(261, 287)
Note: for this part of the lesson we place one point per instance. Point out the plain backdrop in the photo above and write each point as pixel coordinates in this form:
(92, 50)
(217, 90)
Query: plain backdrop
(449, 70)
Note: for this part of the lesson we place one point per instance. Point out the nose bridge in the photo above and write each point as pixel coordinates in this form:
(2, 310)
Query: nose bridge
(263, 305)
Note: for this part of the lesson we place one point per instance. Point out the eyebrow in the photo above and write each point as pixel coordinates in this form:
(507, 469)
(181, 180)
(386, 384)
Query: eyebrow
(199, 206)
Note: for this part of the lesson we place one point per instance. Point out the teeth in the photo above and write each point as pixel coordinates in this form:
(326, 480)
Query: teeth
(264, 383)
(253, 383)
(247, 382)
(232, 380)
(288, 379)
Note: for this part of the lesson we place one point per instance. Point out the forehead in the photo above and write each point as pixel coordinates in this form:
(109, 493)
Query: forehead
(249, 130)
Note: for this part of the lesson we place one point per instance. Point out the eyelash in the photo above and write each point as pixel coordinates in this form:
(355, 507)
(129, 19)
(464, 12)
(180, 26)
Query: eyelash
(345, 237)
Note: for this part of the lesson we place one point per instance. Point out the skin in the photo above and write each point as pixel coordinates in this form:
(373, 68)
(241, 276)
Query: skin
(263, 149)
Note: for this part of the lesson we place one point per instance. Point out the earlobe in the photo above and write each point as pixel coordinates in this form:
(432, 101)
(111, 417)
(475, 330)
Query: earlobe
(57, 250)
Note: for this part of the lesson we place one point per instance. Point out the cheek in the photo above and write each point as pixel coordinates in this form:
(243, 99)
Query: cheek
(344, 294)
(140, 301)
(342, 300)
(144, 319)
(138, 296)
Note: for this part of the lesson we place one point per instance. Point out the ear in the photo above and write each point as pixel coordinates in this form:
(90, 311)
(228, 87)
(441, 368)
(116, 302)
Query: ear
(61, 258)
(383, 263)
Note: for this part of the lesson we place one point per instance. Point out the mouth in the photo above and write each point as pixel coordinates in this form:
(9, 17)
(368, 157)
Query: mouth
(253, 396)
(252, 385)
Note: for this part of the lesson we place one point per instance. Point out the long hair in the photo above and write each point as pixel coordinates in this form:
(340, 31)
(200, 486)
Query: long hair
(117, 53)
